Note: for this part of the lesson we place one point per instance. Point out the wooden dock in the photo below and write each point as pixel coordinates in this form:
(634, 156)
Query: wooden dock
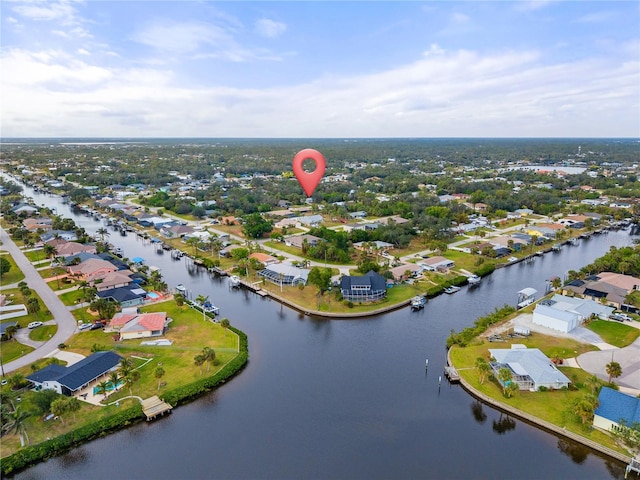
(154, 406)
(452, 374)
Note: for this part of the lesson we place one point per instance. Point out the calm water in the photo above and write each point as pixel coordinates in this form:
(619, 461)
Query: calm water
(340, 399)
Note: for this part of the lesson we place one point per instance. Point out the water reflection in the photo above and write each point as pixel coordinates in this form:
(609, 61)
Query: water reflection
(575, 451)
(504, 424)
(478, 412)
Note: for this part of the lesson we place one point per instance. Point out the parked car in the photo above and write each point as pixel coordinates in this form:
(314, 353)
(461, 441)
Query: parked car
(97, 326)
(85, 326)
(33, 325)
(620, 317)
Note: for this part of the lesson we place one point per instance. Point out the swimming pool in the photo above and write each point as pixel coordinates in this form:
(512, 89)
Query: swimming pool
(153, 295)
(96, 390)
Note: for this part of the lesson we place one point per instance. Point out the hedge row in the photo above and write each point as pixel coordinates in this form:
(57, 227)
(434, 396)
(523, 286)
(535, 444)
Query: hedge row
(35, 453)
(480, 325)
(184, 393)
(32, 454)
(485, 269)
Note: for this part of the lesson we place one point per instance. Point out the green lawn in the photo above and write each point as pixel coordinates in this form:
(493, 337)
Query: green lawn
(43, 333)
(35, 255)
(14, 274)
(189, 332)
(614, 333)
(11, 349)
(553, 406)
(71, 298)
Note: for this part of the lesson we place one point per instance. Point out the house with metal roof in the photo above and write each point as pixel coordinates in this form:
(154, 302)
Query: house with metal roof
(285, 274)
(366, 288)
(530, 368)
(566, 313)
(616, 408)
(67, 380)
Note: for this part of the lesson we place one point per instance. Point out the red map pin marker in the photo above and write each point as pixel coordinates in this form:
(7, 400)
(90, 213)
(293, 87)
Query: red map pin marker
(309, 180)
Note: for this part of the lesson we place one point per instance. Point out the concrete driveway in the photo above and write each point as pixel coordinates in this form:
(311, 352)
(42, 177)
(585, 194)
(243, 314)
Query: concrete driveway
(627, 357)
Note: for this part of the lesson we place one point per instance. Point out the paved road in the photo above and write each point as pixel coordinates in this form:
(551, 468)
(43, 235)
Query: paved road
(65, 320)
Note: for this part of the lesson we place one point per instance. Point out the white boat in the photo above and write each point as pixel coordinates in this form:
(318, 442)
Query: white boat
(181, 289)
(452, 289)
(418, 302)
(118, 251)
(234, 281)
(474, 280)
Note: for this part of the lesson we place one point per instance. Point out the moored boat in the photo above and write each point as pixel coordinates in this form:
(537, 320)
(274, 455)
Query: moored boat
(452, 289)
(418, 302)
(474, 280)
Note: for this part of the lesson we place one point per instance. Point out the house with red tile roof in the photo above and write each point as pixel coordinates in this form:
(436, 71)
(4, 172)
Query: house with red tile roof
(264, 258)
(142, 325)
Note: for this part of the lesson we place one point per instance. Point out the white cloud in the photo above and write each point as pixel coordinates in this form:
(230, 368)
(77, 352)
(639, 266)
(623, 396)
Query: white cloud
(269, 28)
(62, 11)
(447, 93)
(200, 41)
(82, 51)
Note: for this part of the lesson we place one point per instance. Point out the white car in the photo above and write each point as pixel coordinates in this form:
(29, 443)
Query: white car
(33, 325)
(84, 326)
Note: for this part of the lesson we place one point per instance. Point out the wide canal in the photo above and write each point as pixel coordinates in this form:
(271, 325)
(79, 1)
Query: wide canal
(339, 399)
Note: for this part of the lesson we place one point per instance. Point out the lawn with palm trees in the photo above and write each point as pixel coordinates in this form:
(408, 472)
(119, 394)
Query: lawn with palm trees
(200, 348)
(559, 407)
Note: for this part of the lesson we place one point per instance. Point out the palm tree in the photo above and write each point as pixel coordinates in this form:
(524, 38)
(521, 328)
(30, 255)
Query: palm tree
(114, 379)
(10, 331)
(201, 299)
(59, 407)
(209, 355)
(49, 250)
(584, 408)
(224, 323)
(159, 373)
(592, 383)
(73, 405)
(33, 306)
(613, 369)
(505, 376)
(103, 388)
(483, 368)
(198, 360)
(17, 419)
(103, 232)
(130, 378)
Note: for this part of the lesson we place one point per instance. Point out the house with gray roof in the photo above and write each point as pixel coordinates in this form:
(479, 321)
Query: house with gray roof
(285, 274)
(530, 368)
(366, 288)
(67, 380)
(563, 313)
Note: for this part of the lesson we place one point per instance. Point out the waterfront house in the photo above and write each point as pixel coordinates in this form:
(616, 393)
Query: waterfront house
(615, 409)
(608, 287)
(264, 258)
(91, 268)
(285, 274)
(366, 288)
(138, 325)
(405, 271)
(564, 313)
(437, 263)
(68, 380)
(128, 296)
(530, 368)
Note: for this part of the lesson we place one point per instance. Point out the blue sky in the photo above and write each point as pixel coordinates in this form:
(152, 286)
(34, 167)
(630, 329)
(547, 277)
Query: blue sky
(320, 69)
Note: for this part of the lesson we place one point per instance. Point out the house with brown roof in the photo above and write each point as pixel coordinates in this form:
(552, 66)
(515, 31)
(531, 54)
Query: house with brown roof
(119, 278)
(405, 271)
(607, 287)
(264, 258)
(65, 248)
(298, 240)
(91, 268)
(437, 263)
